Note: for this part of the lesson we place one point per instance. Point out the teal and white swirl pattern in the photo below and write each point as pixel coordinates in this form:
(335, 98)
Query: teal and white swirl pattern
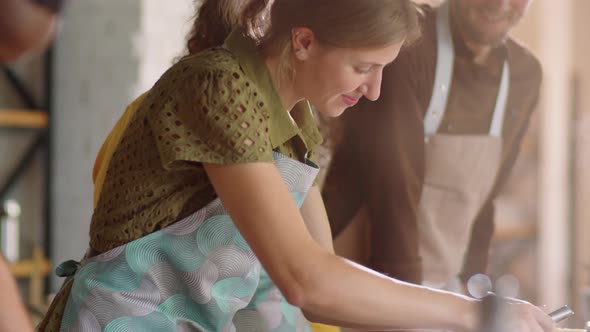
(198, 274)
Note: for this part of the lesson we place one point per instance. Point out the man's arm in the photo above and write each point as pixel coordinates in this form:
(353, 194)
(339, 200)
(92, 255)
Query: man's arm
(476, 258)
(343, 191)
(24, 26)
(314, 215)
(396, 177)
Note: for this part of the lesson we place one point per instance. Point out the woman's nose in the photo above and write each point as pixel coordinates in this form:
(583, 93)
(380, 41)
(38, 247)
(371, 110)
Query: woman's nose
(373, 88)
(373, 94)
(363, 89)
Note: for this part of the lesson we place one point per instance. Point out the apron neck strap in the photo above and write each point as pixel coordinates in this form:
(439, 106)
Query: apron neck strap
(443, 78)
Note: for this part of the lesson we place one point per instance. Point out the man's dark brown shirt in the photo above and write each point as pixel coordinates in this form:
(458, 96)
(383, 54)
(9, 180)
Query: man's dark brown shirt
(379, 162)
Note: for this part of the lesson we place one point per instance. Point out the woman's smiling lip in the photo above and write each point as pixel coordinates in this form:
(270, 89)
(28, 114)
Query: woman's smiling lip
(350, 101)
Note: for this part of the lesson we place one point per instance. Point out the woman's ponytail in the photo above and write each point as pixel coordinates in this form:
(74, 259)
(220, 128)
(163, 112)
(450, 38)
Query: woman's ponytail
(217, 18)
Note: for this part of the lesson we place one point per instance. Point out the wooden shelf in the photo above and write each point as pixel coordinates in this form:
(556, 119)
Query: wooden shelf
(35, 269)
(27, 268)
(23, 118)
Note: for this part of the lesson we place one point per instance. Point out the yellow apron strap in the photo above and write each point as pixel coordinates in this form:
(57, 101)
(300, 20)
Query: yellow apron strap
(108, 147)
(315, 327)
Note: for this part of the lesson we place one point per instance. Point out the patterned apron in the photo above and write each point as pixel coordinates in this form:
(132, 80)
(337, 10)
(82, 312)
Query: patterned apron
(198, 274)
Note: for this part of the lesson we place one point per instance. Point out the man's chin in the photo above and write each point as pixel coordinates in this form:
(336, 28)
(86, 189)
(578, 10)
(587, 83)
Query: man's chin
(496, 41)
(489, 39)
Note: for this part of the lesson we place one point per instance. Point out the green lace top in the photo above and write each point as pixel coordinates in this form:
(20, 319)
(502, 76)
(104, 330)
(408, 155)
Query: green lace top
(218, 106)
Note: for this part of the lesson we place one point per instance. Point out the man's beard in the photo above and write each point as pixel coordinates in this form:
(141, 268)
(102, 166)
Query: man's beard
(481, 38)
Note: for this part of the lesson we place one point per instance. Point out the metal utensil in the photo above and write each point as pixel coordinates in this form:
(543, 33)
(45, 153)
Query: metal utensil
(561, 314)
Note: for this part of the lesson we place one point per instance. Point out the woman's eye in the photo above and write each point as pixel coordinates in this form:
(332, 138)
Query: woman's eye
(363, 70)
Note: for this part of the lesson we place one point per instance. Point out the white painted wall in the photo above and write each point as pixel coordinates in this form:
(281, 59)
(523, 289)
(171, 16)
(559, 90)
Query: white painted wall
(107, 52)
(161, 39)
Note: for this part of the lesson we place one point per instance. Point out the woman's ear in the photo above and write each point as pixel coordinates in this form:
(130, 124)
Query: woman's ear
(302, 41)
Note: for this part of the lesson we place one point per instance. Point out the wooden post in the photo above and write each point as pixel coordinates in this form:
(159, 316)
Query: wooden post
(554, 249)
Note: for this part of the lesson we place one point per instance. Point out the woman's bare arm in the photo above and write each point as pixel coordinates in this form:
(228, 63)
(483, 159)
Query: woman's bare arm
(310, 276)
(323, 284)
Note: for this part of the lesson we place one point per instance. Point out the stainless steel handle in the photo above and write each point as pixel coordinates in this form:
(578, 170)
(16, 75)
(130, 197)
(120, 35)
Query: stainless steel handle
(561, 314)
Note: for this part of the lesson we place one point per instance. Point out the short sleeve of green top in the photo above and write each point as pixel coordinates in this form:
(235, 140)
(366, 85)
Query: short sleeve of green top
(208, 111)
(218, 106)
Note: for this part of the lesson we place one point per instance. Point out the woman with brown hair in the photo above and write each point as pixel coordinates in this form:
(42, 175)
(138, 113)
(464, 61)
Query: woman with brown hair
(206, 214)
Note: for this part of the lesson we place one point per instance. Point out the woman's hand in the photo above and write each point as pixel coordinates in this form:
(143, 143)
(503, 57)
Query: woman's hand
(501, 314)
(527, 317)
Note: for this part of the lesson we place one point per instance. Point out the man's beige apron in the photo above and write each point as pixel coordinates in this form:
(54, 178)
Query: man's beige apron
(460, 172)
